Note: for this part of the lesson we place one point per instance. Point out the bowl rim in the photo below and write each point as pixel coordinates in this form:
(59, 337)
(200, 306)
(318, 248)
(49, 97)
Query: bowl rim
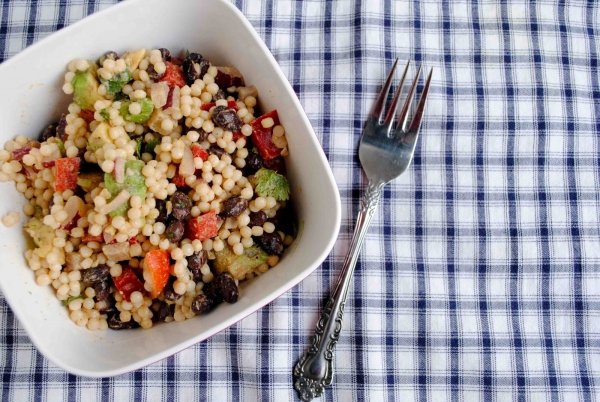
(53, 356)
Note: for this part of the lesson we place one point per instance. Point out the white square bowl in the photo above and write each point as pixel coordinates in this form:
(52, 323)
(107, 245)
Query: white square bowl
(31, 98)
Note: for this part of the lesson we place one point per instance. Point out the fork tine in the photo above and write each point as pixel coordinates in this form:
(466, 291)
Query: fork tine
(389, 117)
(377, 110)
(403, 115)
(416, 121)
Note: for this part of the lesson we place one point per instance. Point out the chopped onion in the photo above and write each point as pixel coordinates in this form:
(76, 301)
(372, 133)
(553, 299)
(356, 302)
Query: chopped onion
(107, 237)
(73, 206)
(120, 170)
(116, 202)
(187, 166)
(159, 92)
(116, 251)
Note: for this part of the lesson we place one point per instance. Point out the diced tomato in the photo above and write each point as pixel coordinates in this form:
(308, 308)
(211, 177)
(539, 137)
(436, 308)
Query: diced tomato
(262, 137)
(157, 269)
(65, 177)
(127, 283)
(230, 104)
(178, 180)
(237, 135)
(87, 238)
(203, 227)
(132, 240)
(49, 164)
(199, 152)
(87, 115)
(173, 75)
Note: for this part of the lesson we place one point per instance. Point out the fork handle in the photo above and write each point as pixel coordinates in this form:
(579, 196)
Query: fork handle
(314, 370)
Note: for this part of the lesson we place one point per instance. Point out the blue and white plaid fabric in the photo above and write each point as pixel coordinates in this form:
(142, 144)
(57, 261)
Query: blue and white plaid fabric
(480, 278)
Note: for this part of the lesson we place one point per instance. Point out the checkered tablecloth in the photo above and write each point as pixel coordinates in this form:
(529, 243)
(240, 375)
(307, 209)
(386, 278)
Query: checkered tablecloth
(480, 277)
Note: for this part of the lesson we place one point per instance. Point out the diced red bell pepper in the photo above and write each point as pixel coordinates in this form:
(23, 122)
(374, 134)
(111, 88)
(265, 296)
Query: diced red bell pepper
(263, 137)
(157, 269)
(203, 227)
(127, 283)
(87, 115)
(49, 164)
(132, 240)
(65, 177)
(230, 104)
(237, 135)
(178, 180)
(173, 75)
(199, 152)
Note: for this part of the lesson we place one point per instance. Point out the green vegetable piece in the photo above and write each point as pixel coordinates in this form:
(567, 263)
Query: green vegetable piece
(134, 183)
(85, 89)
(99, 137)
(151, 144)
(267, 183)
(239, 265)
(61, 147)
(70, 299)
(89, 181)
(139, 143)
(41, 234)
(105, 115)
(117, 82)
(143, 116)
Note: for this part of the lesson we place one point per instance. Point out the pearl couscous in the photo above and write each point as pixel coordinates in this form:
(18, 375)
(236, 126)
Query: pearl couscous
(158, 190)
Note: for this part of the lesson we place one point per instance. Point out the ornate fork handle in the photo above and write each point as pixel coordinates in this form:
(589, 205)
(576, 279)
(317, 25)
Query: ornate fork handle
(314, 370)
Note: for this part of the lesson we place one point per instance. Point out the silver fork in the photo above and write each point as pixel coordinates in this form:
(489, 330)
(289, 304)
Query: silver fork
(385, 152)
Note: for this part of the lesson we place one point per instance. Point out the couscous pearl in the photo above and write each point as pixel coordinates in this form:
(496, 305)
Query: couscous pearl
(268, 227)
(179, 287)
(136, 298)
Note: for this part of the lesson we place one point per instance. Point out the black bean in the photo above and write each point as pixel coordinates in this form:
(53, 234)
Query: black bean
(234, 206)
(212, 292)
(226, 286)
(285, 219)
(165, 54)
(114, 322)
(152, 74)
(175, 231)
(277, 164)
(202, 304)
(226, 118)
(195, 57)
(216, 150)
(181, 205)
(270, 242)
(60, 129)
(257, 218)
(161, 310)
(161, 206)
(109, 304)
(168, 291)
(194, 67)
(219, 95)
(102, 290)
(203, 135)
(92, 276)
(48, 132)
(195, 263)
(108, 55)
(253, 163)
